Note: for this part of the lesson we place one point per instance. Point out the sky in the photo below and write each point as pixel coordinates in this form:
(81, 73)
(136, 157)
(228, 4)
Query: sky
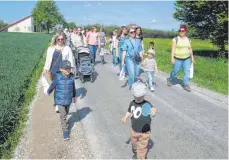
(147, 14)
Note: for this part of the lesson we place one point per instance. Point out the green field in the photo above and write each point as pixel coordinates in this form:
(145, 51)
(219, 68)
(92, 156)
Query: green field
(208, 73)
(20, 55)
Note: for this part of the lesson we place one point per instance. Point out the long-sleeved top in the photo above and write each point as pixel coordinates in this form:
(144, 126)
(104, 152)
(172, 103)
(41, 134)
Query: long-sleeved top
(66, 55)
(78, 40)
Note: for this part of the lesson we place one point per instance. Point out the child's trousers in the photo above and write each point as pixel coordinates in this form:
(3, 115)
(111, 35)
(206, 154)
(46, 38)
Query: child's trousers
(63, 116)
(150, 78)
(139, 143)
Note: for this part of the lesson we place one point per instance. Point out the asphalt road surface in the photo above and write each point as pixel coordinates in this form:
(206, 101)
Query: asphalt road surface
(187, 125)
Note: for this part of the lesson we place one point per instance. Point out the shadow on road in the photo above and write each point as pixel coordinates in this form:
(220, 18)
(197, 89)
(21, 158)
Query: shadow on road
(77, 116)
(178, 81)
(81, 92)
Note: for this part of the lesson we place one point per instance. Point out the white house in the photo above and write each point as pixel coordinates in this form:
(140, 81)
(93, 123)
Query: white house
(23, 25)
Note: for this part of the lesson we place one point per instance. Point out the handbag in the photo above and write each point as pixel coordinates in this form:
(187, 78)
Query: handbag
(137, 57)
(50, 71)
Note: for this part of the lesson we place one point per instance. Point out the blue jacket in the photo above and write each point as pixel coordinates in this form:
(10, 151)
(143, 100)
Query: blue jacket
(64, 89)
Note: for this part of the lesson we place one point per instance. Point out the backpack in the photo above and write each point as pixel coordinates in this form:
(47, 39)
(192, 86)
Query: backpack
(177, 39)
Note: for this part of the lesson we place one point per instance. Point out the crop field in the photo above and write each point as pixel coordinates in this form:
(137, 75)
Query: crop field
(19, 56)
(210, 73)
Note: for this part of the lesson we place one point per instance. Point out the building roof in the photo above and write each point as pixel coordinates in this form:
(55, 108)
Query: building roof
(15, 23)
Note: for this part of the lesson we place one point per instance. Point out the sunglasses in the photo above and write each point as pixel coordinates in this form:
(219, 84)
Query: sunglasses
(181, 30)
(60, 39)
(132, 32)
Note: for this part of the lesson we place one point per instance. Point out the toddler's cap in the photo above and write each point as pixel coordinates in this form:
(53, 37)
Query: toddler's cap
(138, 89)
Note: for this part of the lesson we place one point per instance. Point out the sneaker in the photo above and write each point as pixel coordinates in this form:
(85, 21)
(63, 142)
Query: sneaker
(57, 110)
(151, 89)
(66, 135)
(169, 83)
(187, 88)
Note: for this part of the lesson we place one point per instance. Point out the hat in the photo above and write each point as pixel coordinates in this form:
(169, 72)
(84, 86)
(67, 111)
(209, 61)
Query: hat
(138, 89)
(132, 30)
(66, 65)
(151, 51)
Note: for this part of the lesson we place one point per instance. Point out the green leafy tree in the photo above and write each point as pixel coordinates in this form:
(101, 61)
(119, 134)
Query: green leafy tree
(3, 24)
(207, 19)
(69, 25)
(47, 13)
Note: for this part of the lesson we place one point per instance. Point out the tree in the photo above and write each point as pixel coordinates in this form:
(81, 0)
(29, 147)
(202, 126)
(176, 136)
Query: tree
(47, 13)
(3, 24)
(207, 19)
(69, 25)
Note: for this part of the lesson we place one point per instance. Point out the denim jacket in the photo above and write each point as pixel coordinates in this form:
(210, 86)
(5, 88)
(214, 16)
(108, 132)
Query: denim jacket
(128, 47)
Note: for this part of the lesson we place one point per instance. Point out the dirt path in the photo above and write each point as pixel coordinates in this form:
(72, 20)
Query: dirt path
(43, 137)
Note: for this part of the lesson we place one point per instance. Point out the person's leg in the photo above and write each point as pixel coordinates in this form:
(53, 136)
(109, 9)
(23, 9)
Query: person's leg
(91, 48)
(120, 58)
(63, 120)
(186, 67)
(134, 141)
(150, 79)
(131, 71)
(95, 49)
(176, 67)
(142, 145)
(136, 71)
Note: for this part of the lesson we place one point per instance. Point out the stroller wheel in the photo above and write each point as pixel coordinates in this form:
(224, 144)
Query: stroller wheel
(91, 78)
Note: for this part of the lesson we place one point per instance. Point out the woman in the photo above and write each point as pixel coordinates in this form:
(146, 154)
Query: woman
(181, 56)
(56, 53)
(102, 38)
(139, 37)
(113, 47)
(77, 38)
(119, 45)
(132, 56)
(93, 42)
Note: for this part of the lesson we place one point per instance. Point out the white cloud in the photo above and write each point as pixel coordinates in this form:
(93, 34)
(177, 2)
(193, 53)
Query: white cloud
(153, 21)
(87, 5)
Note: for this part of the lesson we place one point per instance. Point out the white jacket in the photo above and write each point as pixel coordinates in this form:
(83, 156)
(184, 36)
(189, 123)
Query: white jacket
(66, 55)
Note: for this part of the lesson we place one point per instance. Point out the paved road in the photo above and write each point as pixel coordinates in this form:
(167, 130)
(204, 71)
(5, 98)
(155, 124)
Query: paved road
(187, 125)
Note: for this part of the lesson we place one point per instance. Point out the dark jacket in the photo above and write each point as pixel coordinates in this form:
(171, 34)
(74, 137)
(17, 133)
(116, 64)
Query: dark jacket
(64, 89)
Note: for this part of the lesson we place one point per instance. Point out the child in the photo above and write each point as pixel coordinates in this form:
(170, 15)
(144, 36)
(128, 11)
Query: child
(151, 45)
(150, 66)
(140, 111)
(64, 92)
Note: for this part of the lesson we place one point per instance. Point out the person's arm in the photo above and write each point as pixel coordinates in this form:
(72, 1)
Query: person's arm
(140, 51)
(99, 43)
(71, 59)
(156, 67)
(124, 119)
(116, 47)
(88, 36)
(191, 53)
(173, 51)
(124, 48)
(143, 48)
(48, 60)
(52, 86)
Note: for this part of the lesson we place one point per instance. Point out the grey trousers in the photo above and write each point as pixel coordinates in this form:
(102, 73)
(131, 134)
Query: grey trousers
(63, 116)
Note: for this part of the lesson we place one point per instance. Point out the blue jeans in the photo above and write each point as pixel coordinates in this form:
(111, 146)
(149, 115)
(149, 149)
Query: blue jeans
(185, 64)
(120, 59)
(93, 49)
(150, 78)
(133, 68)
(115, 58)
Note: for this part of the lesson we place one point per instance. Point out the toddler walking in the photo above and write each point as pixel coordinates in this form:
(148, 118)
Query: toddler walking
(140, 111)
(64, 92)
(150, 67)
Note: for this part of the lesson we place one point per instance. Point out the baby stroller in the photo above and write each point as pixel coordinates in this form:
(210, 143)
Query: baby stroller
(83, 62)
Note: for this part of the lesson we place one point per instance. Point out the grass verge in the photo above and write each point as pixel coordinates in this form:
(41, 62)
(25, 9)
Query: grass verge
(209, 73)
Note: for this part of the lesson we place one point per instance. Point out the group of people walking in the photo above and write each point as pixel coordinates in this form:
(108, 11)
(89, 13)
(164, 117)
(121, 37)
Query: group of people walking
(128, 51)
